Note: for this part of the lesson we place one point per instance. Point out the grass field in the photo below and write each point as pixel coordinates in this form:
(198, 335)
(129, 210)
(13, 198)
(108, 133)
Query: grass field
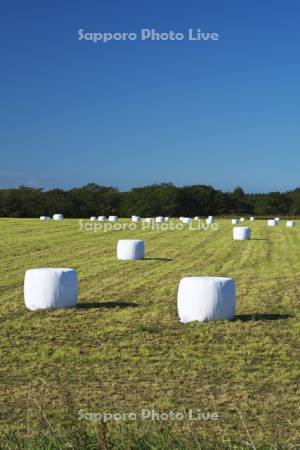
(123, 349)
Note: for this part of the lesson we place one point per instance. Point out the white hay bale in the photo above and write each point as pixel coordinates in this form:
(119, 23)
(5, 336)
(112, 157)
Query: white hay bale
(93, 218)
(272, 223)
(167, 218)
(159, 219)
(58, 217)
(148, 220)
(180, 218)
(206, 298)
(252, 219)
(186, 220)
(130, 249)
(241, 233)
(101, 218)
(196, 217)
(210, 217)
(50, 288)
(113, 218)
(277, 219)
(242, 219)
(44, 218)
(290, 223)
(234, 221)
(135, 218)
(209, 220)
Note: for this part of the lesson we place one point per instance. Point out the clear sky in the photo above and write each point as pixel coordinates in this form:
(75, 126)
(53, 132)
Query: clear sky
(131, 113)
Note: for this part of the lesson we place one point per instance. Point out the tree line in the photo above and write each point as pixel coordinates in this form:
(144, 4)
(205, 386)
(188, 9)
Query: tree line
(157, 199)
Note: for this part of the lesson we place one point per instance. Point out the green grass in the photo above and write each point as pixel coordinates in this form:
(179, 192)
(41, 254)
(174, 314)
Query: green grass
(123, 349)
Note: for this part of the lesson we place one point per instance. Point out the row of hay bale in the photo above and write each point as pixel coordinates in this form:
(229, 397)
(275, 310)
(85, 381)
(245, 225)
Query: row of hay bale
(93, 218)
(198, 299)
(161, 219)
(103, 218)
(275, 222)
(158, 219)
(235, 221)
(55, 217)
(244, 233)
(188, 220)
(133, 219)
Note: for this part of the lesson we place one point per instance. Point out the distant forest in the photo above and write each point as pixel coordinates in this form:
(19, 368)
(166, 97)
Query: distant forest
(157, 199)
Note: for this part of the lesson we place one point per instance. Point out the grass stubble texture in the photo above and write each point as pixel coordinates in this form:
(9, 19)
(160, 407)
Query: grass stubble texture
(123, 348)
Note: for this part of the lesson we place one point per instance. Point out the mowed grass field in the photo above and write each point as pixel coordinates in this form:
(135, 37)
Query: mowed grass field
(123, 349)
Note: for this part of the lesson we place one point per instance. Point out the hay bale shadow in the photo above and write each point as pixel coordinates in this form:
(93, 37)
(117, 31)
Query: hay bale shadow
(112, 304)
(158, 259)
(258, 317)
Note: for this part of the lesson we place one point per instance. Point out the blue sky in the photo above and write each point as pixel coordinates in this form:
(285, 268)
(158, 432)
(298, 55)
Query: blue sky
(132, 113)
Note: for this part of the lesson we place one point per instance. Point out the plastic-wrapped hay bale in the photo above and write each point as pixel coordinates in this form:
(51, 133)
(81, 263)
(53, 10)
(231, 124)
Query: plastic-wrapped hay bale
(252, 219)
(206, 298)
(93, 218)
(272, 223)
(290, 223)
(196, 217)
(277, 220)
(209, 220)
(242, 219)
(44, 218)
(186, 220)
(58, 217)
(234, 221)
(135, 218)
(159, 219)
(101, 218)
(50, 288)
(241, 233)
(113, 218)
(180, 218)
(128, 249)
(167, 218)
(210, 217)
